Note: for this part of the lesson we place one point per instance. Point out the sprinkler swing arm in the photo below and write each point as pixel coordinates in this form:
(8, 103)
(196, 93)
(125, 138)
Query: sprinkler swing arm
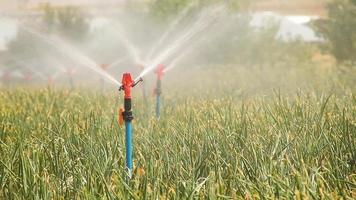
(128, 85)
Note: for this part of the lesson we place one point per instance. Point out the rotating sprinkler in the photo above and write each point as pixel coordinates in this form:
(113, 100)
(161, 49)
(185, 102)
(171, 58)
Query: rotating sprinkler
(50, 80)
(70, 73)
(126, 115)
(27, 77)
(6, 77)
(158, 91)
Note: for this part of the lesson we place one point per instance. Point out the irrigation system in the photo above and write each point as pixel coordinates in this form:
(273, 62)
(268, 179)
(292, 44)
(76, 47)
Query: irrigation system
(158, 91)
(163, 50)
(126, 115)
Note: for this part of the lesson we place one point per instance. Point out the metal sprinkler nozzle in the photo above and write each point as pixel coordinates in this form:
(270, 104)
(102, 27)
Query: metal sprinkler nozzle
(138, 81)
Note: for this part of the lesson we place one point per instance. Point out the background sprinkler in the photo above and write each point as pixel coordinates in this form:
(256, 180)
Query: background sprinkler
(70, 73)
(27, 77)
(5, 78)
(158, 91)
(126, 115)
(50, 80)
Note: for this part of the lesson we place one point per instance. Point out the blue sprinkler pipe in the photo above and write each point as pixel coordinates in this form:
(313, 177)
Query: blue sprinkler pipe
(158, 105)
(129, 147)
(158, 91)
(126, 115)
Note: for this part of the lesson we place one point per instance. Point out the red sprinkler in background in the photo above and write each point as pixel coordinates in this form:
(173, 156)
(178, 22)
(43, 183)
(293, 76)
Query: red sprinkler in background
(50, 80)
(158, 91)
(160, 71)
(27, 77)
(126, 115)
(70, 73)
(6, 76)
(141, 66)
(104, 66)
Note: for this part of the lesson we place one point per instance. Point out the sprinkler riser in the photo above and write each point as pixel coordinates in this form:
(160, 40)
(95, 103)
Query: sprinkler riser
(128, 117)
(71, 82)
(127, 85)
(127, 114)
(159, 87)
(158, 98)
(158, 106)
(129, 148)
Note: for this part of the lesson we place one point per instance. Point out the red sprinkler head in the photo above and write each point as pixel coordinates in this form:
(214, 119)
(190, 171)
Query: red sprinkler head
(71, 71)
(6, 76)
(128, 83)
(104, 66)
(160, 71)
(141, 66)
(28, 77)
(50, 79)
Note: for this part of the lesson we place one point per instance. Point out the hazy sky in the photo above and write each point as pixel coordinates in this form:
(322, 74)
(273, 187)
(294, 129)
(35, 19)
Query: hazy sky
(11, 4)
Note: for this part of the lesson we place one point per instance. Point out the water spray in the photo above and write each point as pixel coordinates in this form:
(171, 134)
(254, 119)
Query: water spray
(170, 29)
(71, 52)
(126, 115)
(119, 30)
(206, 19)
(104, 67)
(116, 62)
(158, 91)
(144, 93)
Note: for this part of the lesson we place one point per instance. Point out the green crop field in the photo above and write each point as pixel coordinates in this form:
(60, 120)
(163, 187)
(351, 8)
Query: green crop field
(177, 99)
(68, 145)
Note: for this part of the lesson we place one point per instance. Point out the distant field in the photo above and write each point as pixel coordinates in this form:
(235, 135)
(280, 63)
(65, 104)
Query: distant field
(297, 7)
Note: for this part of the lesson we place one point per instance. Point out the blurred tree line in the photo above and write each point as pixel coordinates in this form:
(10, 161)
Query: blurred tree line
(165, 9)
(69, 22)
(339, 30)
(244, 44)
(239, 43)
